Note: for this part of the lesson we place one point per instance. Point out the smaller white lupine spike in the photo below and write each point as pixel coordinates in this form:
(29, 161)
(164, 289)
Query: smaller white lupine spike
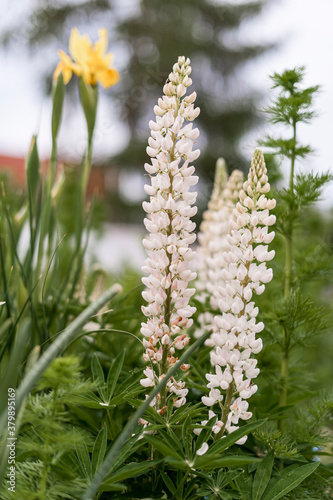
(212, 238)
(234, 339)
(220, 182)
(171, 231)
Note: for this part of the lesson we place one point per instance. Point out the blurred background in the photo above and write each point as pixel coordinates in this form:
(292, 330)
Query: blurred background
(234, 46)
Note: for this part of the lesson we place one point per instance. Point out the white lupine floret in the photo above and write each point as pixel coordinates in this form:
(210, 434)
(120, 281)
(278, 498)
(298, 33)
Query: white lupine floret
(168, 210)
(212, 239)
(234, 329)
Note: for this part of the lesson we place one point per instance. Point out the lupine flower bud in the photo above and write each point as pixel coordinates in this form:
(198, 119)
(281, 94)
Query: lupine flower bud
(235, 328)
(171, 231)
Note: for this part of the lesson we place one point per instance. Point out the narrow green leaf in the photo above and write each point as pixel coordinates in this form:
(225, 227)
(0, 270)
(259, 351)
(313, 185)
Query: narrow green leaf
(171, 438)
(262, 476)
(33, 173)
(99, 449)
(14, 362)
(129, 448)
(186, 437)
(179, 464)
(169, 484)
(98, 376)
(131, 470)
(84, 458)
(182, 412)
(114, 373)
(5, 327)
(163, 447)
(243, 482)
(214, 462)
(224, 443)
(151, 415)
(112, 487)
(58, 95)
(126, 396)
(289, 480)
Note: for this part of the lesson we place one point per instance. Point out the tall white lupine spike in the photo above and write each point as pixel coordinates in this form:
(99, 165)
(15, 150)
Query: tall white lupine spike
(212, 240)
(168, 221)
(234, 338)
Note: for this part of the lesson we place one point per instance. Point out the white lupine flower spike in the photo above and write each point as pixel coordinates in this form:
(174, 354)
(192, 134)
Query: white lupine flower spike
(170, 228)
(213, 240)
(233, 340)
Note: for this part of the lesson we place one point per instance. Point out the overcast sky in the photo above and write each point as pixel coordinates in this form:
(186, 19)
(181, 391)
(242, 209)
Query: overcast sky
(303, 28)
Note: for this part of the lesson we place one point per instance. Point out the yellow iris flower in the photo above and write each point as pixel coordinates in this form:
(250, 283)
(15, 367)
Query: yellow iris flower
(89, 61)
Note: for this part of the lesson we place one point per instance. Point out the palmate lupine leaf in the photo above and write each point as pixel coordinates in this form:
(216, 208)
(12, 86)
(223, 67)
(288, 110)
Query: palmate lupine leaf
(129, 427)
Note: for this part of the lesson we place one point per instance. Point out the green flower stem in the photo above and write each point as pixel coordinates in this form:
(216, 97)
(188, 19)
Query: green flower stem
(82, 192)
(163, 368)
(287, 289)
(226, 409)
(129, 427)
(46, 227)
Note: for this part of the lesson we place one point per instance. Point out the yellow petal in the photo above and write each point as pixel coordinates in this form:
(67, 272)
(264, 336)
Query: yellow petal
(64, 58)
(102, 44)
(108, 77)
(65, 70)
(73, 42)
(79, 46)
(77, 69)
(88, 77)
(58, 70)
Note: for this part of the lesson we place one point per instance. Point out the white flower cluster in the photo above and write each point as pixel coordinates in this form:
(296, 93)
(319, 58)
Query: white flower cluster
(234, 337)
(168, 221)
(213, 240)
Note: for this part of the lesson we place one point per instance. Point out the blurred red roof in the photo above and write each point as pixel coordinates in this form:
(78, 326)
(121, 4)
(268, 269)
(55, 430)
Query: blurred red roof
(14, 167)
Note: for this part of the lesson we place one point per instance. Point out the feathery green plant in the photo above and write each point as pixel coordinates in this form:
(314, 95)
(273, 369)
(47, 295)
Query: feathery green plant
(297, 315)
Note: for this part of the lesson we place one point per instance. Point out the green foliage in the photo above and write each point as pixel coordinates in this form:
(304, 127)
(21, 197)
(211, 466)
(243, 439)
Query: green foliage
(297, 319)
(47, 432)
(293, 104)
(85, 426)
